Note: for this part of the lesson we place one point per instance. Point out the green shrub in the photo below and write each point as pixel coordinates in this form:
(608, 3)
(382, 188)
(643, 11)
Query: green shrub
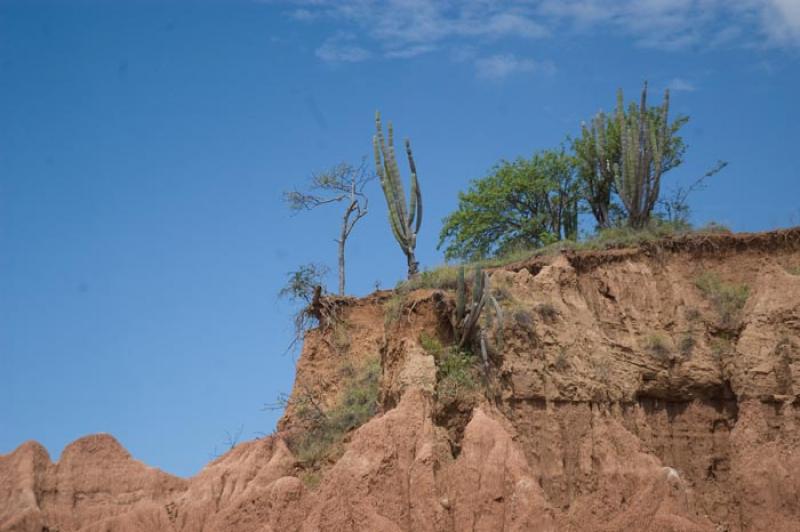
(658, 346)
(455, 376)
(721, 347)
(793, 270)
(561, 362)
(714, 228)
(311, 479)
(523, 318)
(686, 346)
(727, 298)
(431, 345)
(357, 404)
(442, 278)
(547, 311)
(393, 307)
(692, 314)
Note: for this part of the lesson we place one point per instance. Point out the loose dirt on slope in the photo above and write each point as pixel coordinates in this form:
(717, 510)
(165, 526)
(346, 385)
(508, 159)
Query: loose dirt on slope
(653, 388)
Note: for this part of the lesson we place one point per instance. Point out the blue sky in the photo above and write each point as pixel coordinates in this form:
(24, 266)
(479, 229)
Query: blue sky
(144, 148)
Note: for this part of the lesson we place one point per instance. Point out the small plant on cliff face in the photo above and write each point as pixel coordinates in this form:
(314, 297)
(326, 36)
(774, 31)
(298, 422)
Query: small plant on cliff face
(455, 376)
(300, 289)
(658, 346)
(393, 307)
(442, 278)
(793, 270)
(357, 403)
(547, 311)
(727, 298)
(686, 346)
(431, 345)
(692, 314)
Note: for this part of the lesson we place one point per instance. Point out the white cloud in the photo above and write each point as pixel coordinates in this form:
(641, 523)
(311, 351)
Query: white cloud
(680, 84)
(500, 66)
(341, 48)
(408, 28)
(781, 22)
(411, 51)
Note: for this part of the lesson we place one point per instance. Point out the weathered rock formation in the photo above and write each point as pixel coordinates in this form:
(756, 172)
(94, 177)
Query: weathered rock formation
(621, 397)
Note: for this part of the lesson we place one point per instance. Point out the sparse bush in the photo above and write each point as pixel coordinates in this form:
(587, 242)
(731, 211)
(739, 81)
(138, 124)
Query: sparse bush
(523, 318)
(692, 314)
(311, 478)
(602, 371)
(357, 404)
(443, 278)
(793, 270)
(455, 376)
(431, 345)
(658, 346)
(720, 347)
(561, 362)
(727, 298)
(393, 307)
(547, 311)
(341, 336)
(303, 281)
(715, 228)
(686, 346)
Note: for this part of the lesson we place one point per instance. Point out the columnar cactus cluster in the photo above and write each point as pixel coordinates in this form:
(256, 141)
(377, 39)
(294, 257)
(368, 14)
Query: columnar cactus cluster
(404, 220)
(644, 137)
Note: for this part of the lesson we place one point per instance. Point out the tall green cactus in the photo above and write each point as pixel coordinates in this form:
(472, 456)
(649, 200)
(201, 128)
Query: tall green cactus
(644, 139)
(404, 221)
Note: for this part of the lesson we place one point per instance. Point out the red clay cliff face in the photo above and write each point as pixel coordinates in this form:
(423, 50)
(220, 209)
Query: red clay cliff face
(620, 398)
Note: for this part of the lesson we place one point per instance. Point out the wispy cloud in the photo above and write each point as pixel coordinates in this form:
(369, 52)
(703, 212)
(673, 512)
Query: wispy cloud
(781, 19)
(398, 29)
(408, 52)
(500, 66)
(341, 48)
(681, 85)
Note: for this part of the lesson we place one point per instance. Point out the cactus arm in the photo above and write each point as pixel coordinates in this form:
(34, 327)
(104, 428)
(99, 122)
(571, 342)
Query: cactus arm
(415, 201)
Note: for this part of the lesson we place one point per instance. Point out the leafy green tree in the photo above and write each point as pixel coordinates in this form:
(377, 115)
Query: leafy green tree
(598, 151)
(522, 203)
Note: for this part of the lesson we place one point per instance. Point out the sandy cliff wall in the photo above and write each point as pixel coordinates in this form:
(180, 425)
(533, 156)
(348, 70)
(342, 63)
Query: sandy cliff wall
(653, 388)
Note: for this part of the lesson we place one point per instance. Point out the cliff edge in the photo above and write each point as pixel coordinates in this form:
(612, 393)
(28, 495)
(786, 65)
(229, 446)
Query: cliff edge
(650, 388)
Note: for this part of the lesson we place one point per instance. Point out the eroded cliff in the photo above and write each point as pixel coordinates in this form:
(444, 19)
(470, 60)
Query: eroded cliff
(650, 388)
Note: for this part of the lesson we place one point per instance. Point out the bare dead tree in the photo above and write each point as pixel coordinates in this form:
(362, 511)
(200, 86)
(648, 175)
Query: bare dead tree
(343, 183)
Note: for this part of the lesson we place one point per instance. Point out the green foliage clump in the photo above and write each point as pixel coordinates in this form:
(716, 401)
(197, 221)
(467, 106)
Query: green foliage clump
(525, 203)
(443, 278)
(728, 298)
(393, 307)
(303, 281)
(686, 346)
(547, 311)
(658, 346)
(357, 404)
(793, 270)
(455, 377)
(311, 478)
(432, 345)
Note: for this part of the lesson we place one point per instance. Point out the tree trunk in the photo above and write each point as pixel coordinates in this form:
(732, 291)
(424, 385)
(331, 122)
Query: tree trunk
(413, 265)
(341, 241)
